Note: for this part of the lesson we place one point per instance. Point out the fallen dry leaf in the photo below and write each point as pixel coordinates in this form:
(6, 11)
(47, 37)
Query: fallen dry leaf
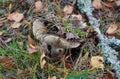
(109, 75)
(68, 9)
(8, 40)
(5, 62)
(38, 6)
(54, 77)
(31, 49)
(31, 41)
(17, 17)
(16, 25)
(97, 4)
(10, 7)
(1, 23)
(97, 62)
(79, 17)
(112, 29)
(108, 4)
(68, 66)
(42, 61)
(1, 32)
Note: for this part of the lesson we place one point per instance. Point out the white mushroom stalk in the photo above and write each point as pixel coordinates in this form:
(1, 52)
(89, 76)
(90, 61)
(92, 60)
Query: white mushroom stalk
(110, 55)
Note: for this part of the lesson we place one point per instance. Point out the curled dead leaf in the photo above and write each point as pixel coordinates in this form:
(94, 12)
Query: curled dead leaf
(97, 4)
(38, 6)
(17, 17)
(31, 41)
(42, 61)
(109, 75)
(1, 23)
(10, 7)
(31, 49)
(108, 4)
(1, 32)
(16, 25)
(79, 17)
(5, 62)
(8, 40)
(68, 9)
(54, 77)
(112, 29)
(97, 62)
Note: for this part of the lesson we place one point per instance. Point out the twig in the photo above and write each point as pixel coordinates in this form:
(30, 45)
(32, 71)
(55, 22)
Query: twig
(80, 55)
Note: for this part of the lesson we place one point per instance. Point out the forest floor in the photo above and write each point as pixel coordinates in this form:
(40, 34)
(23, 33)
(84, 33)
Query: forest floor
(24, 56)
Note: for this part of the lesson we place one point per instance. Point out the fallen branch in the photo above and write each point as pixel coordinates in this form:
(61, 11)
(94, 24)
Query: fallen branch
(110, 55)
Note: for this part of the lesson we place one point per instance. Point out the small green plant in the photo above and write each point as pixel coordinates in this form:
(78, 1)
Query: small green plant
(68, 28)
(80, 33)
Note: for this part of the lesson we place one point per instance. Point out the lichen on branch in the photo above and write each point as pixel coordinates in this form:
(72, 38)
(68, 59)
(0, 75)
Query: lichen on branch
(110, 55)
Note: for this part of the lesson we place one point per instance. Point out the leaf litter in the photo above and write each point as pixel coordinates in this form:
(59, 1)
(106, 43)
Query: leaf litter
(59, 30)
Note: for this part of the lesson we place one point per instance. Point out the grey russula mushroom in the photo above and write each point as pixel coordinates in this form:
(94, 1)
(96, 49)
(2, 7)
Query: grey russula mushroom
(40, 32)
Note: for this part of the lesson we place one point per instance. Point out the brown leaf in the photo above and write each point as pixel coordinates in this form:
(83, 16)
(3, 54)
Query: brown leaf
(5, 62)
(109, 75)
(31, 49)
(10, 7)
(68, 9)
(27, 71)
(8, 40)
(108, 4)
(16, 25)
(79, 17)
(112, 29)
(42, 61)
(31, 41)
(97, 62)
(68, 66)
(54, 77)
(97, 4)
(38, 6)
(1, 23)
(1, 32)
(17, 17)
(78, 21)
